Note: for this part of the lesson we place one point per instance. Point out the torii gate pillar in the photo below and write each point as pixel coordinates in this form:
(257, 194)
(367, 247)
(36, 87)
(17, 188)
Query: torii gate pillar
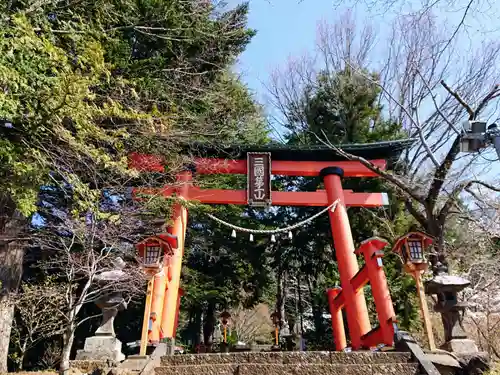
(355, 304)
(180, 217)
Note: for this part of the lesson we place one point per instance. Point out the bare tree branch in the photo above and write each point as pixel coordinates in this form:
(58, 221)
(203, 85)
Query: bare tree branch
(457, 96)
(388, 176)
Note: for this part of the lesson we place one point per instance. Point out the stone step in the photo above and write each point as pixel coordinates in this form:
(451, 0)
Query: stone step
(291, 369)
(287, 358)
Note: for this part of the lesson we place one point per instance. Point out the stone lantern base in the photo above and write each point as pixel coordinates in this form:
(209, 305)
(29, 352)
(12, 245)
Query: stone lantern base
(101, 348)
(462, 346)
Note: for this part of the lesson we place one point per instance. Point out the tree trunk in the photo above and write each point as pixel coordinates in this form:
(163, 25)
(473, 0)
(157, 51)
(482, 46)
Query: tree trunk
(194, 327)
(11, 269)
(282, 297)
(209, 327)
(197, 326)
(68, 338)
(439, 263)
(317, 312)
(22, 355)
(301, 312)
(6, 317)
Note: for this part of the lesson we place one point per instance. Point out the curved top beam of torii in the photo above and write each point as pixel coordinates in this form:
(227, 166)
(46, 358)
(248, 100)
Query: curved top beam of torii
(302, 161)
(154, 163)
(287, 160)
(387, 150)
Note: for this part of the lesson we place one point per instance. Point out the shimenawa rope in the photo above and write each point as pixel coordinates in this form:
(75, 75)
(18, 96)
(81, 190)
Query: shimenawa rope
(331, 207)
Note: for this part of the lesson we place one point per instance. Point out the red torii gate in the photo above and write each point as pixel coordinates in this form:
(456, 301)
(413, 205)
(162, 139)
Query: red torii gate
(350, 296)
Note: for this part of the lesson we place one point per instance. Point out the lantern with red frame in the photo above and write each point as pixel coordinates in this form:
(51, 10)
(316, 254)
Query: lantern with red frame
(225, 316)
(277, 322)
(154, 250)
(276, 318)
(411, 248)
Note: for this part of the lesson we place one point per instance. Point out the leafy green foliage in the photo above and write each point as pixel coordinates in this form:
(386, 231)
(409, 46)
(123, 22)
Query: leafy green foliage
(83, 86)
(43, 91)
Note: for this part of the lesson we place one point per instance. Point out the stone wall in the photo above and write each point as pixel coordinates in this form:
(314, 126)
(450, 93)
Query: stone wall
(289, 363)
(334, 358)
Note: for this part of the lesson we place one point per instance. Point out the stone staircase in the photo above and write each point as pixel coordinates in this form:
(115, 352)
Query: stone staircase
(290, 363)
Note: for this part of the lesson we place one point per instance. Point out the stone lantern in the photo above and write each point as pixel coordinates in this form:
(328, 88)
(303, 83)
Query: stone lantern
(288, 336)
(446, 288)
(104, 345)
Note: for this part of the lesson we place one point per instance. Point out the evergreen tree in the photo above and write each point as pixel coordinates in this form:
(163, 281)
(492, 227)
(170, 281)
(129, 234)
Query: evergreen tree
(345, 107)
(84, 85)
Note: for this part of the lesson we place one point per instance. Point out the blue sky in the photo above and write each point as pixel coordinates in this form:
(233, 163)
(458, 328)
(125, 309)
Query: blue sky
(288, 28)
(284, 28)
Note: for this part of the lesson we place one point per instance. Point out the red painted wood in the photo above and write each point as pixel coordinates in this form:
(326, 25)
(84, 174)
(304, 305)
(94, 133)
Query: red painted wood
(352, 281)
(339, 300)
(355, 304)
(372, 252)
(154, 163)
(287, 168)
(178, 229)
(335, 295)
(373, 338)
(370, 245)
(383, 334)
(146, 163)
(360, 279)
(279, 198)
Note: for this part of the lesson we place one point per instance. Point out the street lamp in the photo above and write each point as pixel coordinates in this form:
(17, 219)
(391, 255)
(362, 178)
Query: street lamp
(153, 253)
(411, 248)
(478, 136)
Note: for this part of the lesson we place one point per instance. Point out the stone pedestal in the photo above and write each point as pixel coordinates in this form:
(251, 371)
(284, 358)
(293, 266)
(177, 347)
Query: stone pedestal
(460, 346)
(101, 348)
(104, 345)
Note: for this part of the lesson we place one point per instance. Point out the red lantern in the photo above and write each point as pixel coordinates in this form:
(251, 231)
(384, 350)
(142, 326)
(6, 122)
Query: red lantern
(153, 251)
(276, 318)
(411, 248)
(225, 316)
